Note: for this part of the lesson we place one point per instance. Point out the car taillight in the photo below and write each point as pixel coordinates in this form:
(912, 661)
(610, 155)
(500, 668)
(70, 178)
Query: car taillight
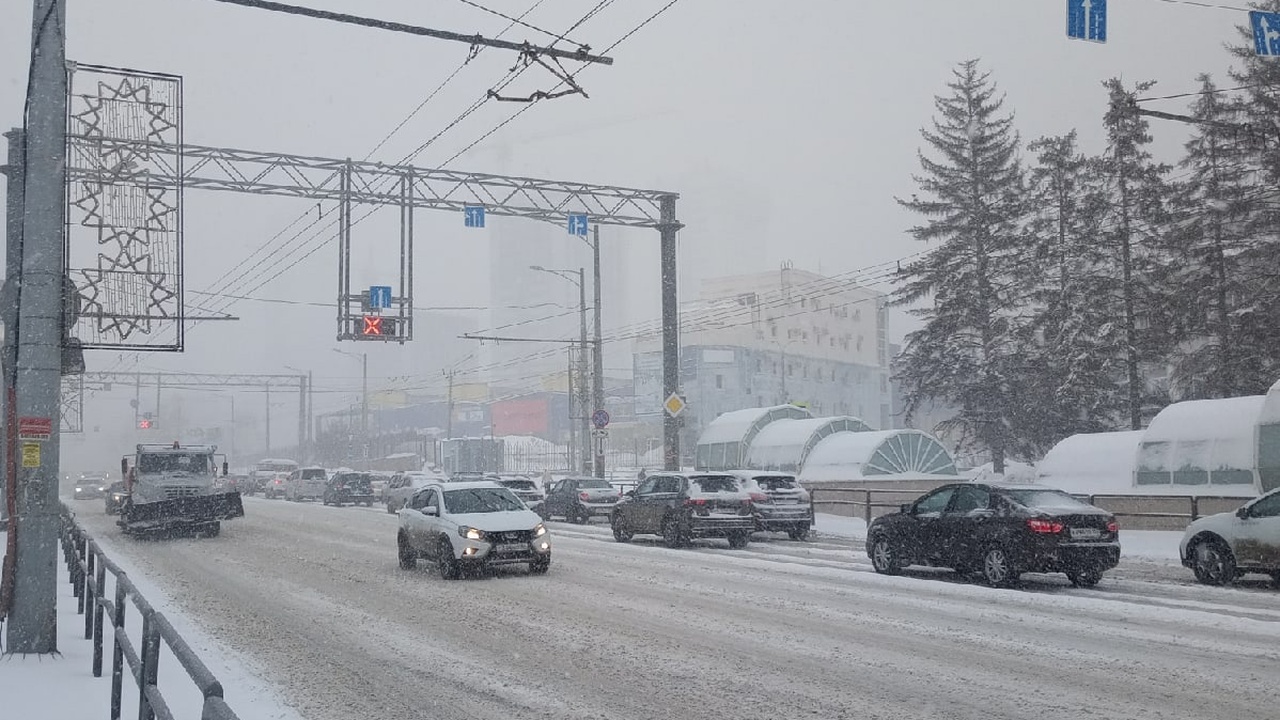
(1113, 527)
(759, 497)
(695, 501)
(584, 496)
(1038, 525)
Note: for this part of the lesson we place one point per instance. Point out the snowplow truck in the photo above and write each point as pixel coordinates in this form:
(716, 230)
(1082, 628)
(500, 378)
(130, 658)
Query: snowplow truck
(174, 490)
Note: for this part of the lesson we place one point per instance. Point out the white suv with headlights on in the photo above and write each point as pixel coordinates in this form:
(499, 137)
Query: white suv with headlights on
(468, 525)
(1219, 548)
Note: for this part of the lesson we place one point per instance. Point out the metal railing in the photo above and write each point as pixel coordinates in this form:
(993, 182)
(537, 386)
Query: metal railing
(865, 498)
(88, 567)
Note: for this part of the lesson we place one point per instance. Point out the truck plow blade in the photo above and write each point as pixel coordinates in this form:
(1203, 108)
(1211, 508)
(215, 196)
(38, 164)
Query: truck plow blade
(193, 510)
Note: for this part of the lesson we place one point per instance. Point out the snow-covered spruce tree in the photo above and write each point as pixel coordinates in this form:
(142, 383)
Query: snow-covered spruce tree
(1136, 195)
(1212, 235)
(967, 354)
(1073, 345)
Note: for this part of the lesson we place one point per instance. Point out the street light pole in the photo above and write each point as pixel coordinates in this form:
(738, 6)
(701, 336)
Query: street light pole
(583, 402)
(597, 352)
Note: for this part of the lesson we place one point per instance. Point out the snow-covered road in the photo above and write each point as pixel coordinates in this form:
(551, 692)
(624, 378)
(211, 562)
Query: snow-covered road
(779, 630)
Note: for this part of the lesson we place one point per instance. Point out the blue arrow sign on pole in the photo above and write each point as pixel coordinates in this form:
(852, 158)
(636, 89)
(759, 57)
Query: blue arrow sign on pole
(1266, 33)
(578, 225)
(1087, 20)
(379, 297)
(473, 216)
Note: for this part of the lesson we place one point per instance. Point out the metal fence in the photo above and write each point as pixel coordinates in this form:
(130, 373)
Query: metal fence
(1182, 509)
(88, 567)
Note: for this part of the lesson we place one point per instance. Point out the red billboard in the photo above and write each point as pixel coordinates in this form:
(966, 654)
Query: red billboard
(522, 416)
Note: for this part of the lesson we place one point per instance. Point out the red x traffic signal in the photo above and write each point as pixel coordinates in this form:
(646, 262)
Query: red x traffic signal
(375, 326)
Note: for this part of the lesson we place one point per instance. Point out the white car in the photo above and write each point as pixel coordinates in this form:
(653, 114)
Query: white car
(468, 525)
(1221, 547)
(402, 487)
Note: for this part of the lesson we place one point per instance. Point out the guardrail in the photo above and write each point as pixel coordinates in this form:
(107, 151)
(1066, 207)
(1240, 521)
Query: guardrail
(88, 567)
(866, 499)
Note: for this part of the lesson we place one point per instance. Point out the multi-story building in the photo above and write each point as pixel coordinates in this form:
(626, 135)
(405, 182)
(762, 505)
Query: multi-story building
(773, 338)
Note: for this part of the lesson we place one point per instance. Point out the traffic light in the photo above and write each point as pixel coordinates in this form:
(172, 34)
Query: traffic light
(378, 326)
(144, 424)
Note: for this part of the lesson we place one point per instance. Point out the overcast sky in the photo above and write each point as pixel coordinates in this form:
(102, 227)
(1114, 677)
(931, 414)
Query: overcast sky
(787, 127)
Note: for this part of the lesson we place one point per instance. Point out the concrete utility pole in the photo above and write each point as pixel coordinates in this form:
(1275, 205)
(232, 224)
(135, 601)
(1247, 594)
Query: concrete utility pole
(9, 310)
(597, 351)
(33, 617)
(670, 332)
(583, 401)
(268, 422)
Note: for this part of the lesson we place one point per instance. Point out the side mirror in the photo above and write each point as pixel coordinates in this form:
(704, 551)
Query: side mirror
(630, 493)
(1243, 513)
(905, 508)
(124, 466)
(433, 511)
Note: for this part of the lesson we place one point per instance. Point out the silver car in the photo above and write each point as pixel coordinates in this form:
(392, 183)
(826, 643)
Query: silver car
(305, 484)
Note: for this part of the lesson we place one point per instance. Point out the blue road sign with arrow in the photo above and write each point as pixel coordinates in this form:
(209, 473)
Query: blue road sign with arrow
(473, 216)
(380, 297)
(1087, 20)
(578, 225)
(1266, 33)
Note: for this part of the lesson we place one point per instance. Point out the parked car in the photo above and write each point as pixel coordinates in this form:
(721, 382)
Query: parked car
(1000, 531)
(348, 486)
(402, 487)
(779, 503)
(91, 485)
(1219, 548)
(680, 507)
(306, 484)
(114, 497)
(579, 499)
(470, 525)
(275, 486)
(380, 480)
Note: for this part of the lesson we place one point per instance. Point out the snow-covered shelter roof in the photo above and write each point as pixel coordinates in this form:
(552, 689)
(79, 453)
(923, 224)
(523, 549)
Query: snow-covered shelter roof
(723, 444)
(1202, 442)
(857, 455)
(1090, 463)
(784, 444)
(1269, 441)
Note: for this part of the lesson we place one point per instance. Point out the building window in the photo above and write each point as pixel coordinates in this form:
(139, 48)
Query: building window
(802, 302)
(773, 330)
(833, 341)
(759, 364)
(859, 343)
(719, 382)
(884, 383)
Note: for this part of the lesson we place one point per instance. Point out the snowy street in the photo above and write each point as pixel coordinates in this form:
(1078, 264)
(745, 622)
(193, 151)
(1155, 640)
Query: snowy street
(313, 596)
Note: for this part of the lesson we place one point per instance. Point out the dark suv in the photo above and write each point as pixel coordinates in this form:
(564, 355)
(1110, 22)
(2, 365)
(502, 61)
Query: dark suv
(780, 504)
(1000, 531)
(579, 499)
(680, 507)
(348, 487)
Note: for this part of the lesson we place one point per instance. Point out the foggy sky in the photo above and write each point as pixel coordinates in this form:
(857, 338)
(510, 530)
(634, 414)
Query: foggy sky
(787, 128)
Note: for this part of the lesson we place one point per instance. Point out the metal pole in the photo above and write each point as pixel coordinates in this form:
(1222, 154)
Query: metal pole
(233, 428)
(573, 428)
(597, 351)
(585, 413)
(33, 621)
(302, 419)
(9, 361)
(268, 423)
(311, 408)
(364, 407)
(670, 331)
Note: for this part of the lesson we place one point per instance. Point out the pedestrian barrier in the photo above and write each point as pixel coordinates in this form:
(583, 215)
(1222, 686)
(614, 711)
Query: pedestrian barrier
(88, 567)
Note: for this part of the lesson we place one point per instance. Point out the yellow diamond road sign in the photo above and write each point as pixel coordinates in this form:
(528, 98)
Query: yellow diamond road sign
(674, 405)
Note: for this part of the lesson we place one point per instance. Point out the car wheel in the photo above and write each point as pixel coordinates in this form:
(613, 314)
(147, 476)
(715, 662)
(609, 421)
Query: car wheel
(739, 540)
(672, 534)
(579, 516)
(997, 567)
(1213, 562)
(209, 530)
(1085, 578)
(408, 558)
(800, 533)
(1275, 577)
(369, 504)
(621, 532)
(542, 512)
(884, 558)
(540, 567)
(449, 567)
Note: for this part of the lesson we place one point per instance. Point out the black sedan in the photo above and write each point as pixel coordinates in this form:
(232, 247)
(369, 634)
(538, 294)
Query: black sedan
(348, 487)
(999, 531)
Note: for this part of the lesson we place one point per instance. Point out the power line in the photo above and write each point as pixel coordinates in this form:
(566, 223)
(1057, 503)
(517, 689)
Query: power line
(519, 21)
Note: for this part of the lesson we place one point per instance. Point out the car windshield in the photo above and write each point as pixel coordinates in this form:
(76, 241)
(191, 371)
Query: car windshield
(173, 462)
(313, 474)
(1046, 499)
(714, 484)
(354, 479)
(770, 483)
(594, 485)
(481, 500)
(519, 484)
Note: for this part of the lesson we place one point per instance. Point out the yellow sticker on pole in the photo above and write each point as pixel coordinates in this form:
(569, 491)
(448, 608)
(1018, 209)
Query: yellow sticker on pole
(30, 455)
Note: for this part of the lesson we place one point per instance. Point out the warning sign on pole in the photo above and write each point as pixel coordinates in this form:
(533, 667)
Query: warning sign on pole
(30, 455)
(35, 428)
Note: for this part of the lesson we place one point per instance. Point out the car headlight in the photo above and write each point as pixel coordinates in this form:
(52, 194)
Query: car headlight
(539, 530)
(470, 533)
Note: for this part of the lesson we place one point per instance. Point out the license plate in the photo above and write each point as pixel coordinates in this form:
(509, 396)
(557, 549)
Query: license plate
(1085, 533)
(786, 501)
(508, 548)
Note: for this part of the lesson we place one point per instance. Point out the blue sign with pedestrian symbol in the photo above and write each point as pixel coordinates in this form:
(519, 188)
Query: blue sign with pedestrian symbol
(600, 419)
(473, 216)
(1266, 33)
(379, 297)
(578, 225)
(1087, 20)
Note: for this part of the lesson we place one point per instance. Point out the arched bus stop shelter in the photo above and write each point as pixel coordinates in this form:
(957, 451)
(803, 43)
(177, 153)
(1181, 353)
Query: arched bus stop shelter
(881, 456)
(723, 444)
